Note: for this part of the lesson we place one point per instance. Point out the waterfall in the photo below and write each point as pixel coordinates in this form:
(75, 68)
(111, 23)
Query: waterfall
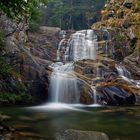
(125, 74)
(106, 49)
(122, 71)
(97, 72)
(62, 42)
(94, 94)
(106, 35)
(63, 84)
(81, 45)
(107, 38)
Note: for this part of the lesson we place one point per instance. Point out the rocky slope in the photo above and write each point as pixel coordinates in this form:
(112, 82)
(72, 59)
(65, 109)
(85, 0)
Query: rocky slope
(118, 49)
(28, 54)
(115, 74)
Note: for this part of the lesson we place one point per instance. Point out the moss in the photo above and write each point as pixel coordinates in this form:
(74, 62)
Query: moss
(2, 42)
(5, 69)
(138, 6)
(120, 38)
(13, 98)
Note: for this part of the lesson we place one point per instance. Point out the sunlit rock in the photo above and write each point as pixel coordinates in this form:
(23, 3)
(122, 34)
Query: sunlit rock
(72, 134)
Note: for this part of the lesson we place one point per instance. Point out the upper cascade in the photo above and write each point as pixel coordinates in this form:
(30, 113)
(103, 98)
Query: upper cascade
(81, 45)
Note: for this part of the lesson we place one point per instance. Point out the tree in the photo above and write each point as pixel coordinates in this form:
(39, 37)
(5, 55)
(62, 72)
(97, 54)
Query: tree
(20, 8)
(69, 14)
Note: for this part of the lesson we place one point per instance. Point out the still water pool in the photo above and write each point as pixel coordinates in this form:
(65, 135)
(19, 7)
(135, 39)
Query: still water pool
(119, 123)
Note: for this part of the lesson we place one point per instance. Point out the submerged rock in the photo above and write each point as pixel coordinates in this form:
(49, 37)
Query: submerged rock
(81, 135)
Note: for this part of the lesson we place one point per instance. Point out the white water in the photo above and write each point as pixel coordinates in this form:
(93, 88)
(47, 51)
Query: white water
(63, 84)
(94, 95)
(122, 71)
(107, 38)
(125, 74)
(97, 72)
(106, 49)
(81, 45)
(59, 49)
(62, 106)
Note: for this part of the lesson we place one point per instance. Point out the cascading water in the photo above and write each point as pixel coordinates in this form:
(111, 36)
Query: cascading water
(94, 94)
(63, 84)
(62, 42)
(59, 47)
(125, 74)
(107, 38)
(122, 71)
(81, 45)
(106, 49)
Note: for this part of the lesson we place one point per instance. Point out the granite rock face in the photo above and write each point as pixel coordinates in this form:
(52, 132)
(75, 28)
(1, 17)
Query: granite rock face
(30, 69)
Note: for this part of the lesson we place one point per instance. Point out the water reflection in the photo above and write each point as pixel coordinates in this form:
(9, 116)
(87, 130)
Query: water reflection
(122, 123)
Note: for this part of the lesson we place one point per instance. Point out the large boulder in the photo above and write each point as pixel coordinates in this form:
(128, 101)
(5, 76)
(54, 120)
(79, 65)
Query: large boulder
(50, 31)
(132, 63)
(72, 134)
(115, 95)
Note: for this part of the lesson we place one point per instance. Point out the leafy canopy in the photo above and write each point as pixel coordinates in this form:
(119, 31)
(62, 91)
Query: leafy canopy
(73, 14)
(20, 8)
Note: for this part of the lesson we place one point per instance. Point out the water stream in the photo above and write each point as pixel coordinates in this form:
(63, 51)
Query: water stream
(64, 84)
(122, 71)
(126, 75)
(94, 95)
(81, 45)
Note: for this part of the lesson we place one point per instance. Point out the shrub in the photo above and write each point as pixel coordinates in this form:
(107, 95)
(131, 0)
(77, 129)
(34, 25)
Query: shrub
(14, 98)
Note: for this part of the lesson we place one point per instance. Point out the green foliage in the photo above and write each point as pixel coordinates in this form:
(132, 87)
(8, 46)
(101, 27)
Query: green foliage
(36, 19)
(120, 38)
(73, 14)
(2, 42)
(5, 69)
(16, 98)
(138, 6)
(13, 7)
(19, 8)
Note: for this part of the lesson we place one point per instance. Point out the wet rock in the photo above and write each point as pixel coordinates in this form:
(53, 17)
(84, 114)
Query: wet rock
(86, 98)
(128, 4)
(26, 135)
(81, 135)
(4, 117)
(132, 64)
(113, 95)
(110, 77)
(1, 138)
(25, 118)
(5, 130)
(88, 70)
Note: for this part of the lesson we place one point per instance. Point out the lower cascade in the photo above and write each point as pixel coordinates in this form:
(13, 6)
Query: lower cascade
(63, 85)
(122, 71)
